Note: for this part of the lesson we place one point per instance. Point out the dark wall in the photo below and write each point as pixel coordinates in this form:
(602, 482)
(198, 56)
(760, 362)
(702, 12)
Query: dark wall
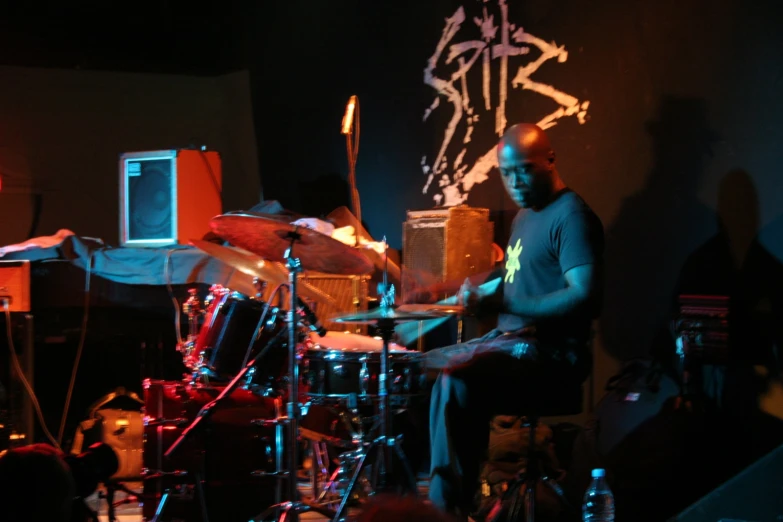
(62, 131)
(683, 107)
(318, 55)
(669, 129)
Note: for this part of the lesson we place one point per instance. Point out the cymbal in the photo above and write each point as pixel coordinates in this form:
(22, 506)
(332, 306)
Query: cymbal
(442, 308)
(252, 265)
(392, 314)
(270, 239)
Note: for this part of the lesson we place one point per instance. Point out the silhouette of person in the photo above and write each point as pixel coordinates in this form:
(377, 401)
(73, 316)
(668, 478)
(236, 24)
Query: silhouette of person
(655, 230)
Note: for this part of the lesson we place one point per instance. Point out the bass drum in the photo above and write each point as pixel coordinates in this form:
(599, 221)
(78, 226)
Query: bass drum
(225, 449)
(232, 335)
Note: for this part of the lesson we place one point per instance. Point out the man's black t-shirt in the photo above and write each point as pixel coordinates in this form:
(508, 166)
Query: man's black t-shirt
(544, 245)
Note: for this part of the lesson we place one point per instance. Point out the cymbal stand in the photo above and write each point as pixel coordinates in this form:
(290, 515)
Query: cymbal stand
(385, 447)
(290, 509)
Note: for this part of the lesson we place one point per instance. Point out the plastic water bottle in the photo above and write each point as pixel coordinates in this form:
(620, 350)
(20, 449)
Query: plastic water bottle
(598, 503)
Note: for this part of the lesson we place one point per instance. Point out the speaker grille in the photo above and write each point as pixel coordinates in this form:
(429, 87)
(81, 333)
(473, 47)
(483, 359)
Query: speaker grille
(150, 199)
(446, 245)
(425, 245)
(350, 292)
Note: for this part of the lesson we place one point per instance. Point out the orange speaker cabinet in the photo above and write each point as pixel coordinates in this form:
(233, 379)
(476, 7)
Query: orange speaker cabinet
(168, 196)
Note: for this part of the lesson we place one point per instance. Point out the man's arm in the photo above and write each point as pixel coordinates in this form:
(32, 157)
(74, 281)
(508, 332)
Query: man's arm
(432, 293)
(582, 294)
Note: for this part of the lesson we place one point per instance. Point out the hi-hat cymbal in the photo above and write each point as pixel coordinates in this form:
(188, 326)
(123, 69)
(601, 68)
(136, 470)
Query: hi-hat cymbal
(270, 239)
(389, 314)
(252, 265)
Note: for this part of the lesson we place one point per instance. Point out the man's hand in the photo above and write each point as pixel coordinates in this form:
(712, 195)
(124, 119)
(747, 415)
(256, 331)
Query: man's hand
(469, 296)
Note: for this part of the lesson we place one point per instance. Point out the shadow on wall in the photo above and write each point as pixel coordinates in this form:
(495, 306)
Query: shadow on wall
(719, 267)
(762, 334)
(763, 269)
(747, 391)
(657, 442)
(655, 230)
(325, 194)
(715, 268)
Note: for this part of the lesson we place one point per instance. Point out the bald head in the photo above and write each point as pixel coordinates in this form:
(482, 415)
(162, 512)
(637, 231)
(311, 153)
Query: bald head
(526, 138)
(526, 162)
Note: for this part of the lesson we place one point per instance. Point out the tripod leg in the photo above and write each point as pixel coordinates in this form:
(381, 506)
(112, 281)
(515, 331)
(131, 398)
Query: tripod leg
(554, 486)
(202, 501)
(161, 506)
(110, 502)
(320, 468)
(531, 472)
(374, 446)
(284, 513)
(272, 509)
(329, 486)
(410, 478)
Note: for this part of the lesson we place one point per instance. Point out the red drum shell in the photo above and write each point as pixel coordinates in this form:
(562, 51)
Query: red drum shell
(227, 447)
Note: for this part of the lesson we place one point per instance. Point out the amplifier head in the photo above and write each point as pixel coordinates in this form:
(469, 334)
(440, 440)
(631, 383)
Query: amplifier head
(15, 284)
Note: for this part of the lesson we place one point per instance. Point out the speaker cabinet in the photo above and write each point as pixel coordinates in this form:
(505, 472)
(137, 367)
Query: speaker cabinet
(447, 244)
(168, 196)
(15, 284)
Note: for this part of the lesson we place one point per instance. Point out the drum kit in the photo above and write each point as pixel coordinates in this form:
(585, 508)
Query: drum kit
(229, 438)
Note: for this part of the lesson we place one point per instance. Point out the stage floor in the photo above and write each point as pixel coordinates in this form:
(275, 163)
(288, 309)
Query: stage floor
(132, 511)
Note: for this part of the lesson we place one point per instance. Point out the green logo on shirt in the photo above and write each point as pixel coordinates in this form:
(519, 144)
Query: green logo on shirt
(512, 264)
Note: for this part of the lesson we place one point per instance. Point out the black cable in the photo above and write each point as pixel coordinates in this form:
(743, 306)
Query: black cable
(79, 349)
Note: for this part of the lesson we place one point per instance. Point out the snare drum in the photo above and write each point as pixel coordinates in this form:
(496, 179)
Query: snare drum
(341, 364)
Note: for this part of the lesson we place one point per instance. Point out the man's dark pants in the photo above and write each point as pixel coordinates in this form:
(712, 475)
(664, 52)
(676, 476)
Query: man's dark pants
(496, 374)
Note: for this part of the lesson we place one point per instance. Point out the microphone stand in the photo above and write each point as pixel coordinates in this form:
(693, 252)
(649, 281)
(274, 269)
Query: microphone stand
(353, 153)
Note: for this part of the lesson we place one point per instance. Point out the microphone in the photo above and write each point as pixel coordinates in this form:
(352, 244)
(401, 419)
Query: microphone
(312, 321)
(348, 117)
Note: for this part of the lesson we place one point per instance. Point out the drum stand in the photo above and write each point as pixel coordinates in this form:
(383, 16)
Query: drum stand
(385, 447)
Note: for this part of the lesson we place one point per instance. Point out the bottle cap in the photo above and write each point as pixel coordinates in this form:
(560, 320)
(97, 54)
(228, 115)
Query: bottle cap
(599, 473)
